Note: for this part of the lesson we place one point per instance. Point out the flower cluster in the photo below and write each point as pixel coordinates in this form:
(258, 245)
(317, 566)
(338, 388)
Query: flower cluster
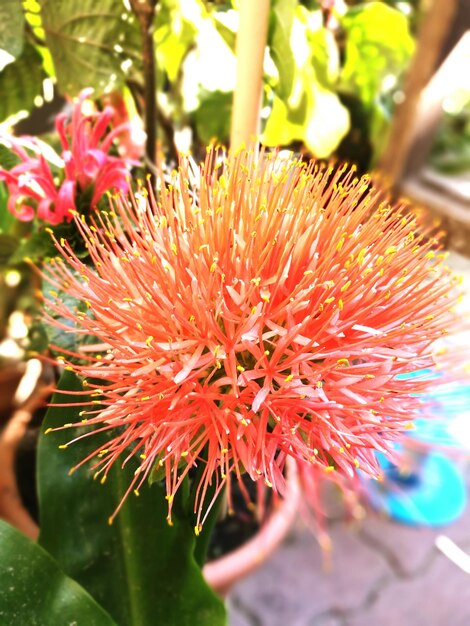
(87, 167)
(253, 309)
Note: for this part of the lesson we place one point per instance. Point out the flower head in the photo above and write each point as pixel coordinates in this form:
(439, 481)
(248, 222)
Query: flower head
(255, 309)
(85, 163)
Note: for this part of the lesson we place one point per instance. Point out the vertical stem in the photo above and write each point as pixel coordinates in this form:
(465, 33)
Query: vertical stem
(251, 44)
(145, 13)
(431, 37)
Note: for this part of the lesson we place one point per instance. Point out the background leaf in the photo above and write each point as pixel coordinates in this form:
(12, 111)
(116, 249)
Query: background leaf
(89, 42)
(174, 35)
(140, 569)
(35, 592)
(312, 112)
(378, 45)
(213, 117)
(281, 21)
(11, 27)
(21, 82)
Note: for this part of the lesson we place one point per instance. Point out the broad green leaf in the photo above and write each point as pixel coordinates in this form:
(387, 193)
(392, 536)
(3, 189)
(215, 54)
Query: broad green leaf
(92, 43)
(225, 31)
(312, 113)
(6, 218)
(32, 15)
(320, 121)
(34, 591)
(378, 47)
(8, 245)
(39, 245)
(324, 56)
(174, 35)
(58, 339)
(139, 568)
(8, 158)
(36, 247)
(213, 117)
(21, 82)
(279, 41)
(11, 27)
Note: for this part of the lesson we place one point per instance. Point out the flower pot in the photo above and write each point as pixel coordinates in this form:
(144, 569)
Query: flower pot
(223, 572)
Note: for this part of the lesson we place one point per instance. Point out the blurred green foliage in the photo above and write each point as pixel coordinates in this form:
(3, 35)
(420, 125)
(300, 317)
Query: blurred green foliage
(328, 65)
(450, 152)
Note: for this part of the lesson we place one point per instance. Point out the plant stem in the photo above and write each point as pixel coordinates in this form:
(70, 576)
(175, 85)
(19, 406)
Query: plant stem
(145, 13)
(203, 539)
(251, 44)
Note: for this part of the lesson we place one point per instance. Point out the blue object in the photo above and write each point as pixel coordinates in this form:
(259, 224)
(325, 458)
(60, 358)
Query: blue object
(434, 492)
(433, 495)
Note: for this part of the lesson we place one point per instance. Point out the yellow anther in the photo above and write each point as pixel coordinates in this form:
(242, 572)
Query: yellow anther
(361, 255)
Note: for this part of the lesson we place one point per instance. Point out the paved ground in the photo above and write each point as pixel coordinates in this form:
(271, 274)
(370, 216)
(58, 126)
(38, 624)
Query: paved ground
(382, 573)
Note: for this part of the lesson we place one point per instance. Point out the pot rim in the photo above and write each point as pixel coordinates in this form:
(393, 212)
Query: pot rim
(225, 571)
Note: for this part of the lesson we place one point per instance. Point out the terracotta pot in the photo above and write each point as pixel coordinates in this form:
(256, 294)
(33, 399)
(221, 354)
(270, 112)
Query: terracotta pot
(222, 573)
(10, 376)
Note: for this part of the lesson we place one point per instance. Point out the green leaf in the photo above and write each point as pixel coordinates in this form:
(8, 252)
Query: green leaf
(8, 245)
(11, 27)
(378, 45)
(281, 21)
(39, 245)
(34, 591)
(213, 117)
(89, 42)
(7, 220)
(36, 247)
(8, 158)
(312, 113)
(318, 119)
(174, 36)
(21, 82)
(324, 56)
(139, 568)
(224, 30)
